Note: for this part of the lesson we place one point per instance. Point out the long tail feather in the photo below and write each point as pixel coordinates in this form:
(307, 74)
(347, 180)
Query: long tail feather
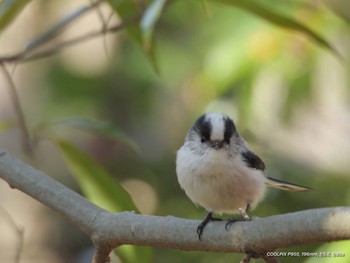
(275, 183)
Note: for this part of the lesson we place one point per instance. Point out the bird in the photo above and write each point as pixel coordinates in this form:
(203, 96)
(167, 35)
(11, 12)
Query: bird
(219, 172)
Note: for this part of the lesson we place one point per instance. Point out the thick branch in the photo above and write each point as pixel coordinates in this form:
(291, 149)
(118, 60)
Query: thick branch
(108, 230)
(46, 190)
(257, 236)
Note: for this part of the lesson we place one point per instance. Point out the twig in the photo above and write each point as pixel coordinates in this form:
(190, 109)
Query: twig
(19, 233)
(26, 142)
(249, 256)
(59, 27)
(101, 254)
(22, 56)
(246, 258)
(100, 16)
(104, 23)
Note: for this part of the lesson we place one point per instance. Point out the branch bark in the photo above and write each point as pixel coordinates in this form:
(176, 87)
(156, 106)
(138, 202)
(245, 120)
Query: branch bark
(108, 230)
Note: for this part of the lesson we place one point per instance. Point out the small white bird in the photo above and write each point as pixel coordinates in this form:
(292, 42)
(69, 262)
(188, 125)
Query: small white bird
(219, 172)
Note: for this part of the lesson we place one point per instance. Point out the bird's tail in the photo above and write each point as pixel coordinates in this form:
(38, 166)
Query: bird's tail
(286, 186)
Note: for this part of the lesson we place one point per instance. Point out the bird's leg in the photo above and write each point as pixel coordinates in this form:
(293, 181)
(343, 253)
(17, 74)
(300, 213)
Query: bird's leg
(244, 214)
(206, 220)
(244, 217)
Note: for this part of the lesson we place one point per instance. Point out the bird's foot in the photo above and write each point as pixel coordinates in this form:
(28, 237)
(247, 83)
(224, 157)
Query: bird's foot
(244, 217)
(206, 220)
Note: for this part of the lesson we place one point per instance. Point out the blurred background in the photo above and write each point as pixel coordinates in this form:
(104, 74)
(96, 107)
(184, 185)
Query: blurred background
(288, 95)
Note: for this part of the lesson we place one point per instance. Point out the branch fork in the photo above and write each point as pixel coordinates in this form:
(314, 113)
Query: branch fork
(108, 230)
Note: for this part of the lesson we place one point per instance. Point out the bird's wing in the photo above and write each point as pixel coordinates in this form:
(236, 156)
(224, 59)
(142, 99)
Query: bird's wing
(252, 160)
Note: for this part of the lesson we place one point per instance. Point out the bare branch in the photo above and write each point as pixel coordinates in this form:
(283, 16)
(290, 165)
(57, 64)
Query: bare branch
(102, 254)
(100, 16)
(24, 57)
(18, 231)
(26, 142)
(268, 259)
(59, 27)
(108, 230)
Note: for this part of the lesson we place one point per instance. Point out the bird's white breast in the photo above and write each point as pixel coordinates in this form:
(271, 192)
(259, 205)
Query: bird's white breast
(217, 181)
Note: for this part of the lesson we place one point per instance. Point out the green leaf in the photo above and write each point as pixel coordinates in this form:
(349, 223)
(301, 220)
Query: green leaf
(95, 182)
(149, 20)
(102, 189)
(103, 128)
(128, 10)
(258, 9)
(9, 9)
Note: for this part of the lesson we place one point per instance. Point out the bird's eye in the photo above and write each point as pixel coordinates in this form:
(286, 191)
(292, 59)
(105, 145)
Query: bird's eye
(203, 140)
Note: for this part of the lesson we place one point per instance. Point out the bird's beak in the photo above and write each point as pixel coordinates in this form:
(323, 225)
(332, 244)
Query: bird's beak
(216, 144)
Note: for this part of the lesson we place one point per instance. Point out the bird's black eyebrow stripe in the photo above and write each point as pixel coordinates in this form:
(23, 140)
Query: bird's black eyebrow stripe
(230, 128)
(252, 160)
(203, 127)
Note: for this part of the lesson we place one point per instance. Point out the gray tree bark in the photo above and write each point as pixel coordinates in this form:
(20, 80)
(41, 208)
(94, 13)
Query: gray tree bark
(109, 230)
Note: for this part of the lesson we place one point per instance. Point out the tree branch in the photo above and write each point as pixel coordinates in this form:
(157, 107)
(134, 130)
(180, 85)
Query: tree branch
(108, 230)
(26, 56)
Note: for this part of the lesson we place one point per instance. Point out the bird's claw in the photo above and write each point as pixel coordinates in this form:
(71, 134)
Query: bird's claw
(206, 220)
(200, 230)
(244, 217)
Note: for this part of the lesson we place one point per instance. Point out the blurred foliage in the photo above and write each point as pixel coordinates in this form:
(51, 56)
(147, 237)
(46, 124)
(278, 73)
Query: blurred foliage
(98, 185)
(4, 125)
(273, 66)
(9, 9)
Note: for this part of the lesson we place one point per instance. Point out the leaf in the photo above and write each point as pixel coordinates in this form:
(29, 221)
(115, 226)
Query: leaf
(149, 20)
(102, 189)
(9, 9)
(96, 183)
(104, 128)
(274, 17)
(127, 10)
